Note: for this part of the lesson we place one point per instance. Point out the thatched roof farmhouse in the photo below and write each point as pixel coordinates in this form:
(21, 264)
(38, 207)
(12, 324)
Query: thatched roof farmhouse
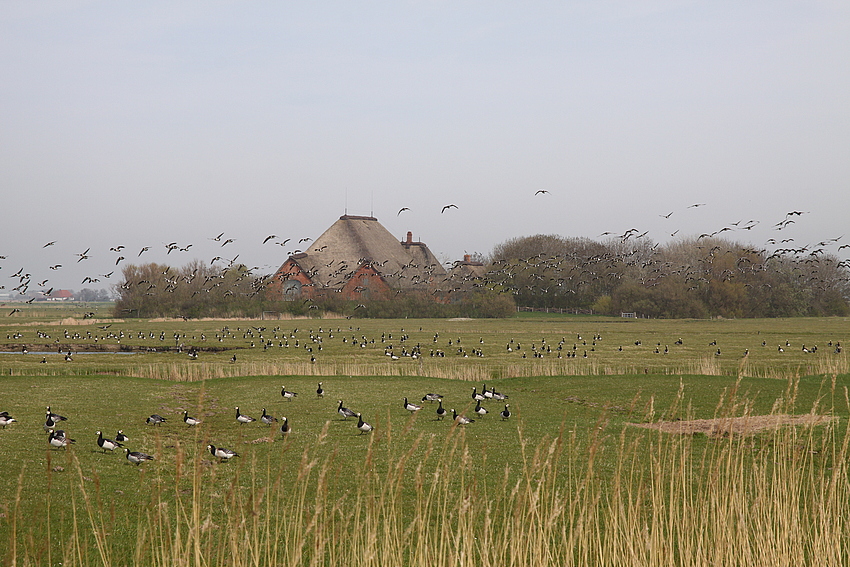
(357, 258)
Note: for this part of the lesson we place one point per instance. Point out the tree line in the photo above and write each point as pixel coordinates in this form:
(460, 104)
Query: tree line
(689, 277)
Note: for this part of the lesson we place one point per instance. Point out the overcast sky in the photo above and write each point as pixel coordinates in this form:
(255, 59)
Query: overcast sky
(142, 124)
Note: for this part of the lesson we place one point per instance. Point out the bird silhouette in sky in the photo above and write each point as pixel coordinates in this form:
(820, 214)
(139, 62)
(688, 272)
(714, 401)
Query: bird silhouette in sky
(448, 207)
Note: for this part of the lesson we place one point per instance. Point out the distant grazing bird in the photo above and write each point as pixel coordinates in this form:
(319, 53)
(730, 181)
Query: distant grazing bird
(190, 420)
(243, 419)
(461, 419)
(320, 392)
(6, 419)
(155, 419)
(441, 413)
(345, 412)
(55, 416)
(120, 437)
(362, 425)
(137, 457)
(287, 394)
(505, 413)
(107, 444)
(222, 453)
(266, 418)
(59, 440)
(432, 397)
(412, 408)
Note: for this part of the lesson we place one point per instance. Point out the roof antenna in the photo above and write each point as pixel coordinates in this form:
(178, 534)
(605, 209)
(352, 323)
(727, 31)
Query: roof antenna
(372, 203)
(346, 201)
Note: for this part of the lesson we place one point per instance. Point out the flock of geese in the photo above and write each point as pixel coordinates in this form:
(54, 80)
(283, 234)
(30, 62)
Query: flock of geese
(58, 438)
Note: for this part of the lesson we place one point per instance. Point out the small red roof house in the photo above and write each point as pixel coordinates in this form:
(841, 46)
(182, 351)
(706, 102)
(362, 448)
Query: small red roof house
(61, 295)
(359, 259)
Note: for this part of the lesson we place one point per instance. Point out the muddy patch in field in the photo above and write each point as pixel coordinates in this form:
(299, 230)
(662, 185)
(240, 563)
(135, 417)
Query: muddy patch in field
(747, 425)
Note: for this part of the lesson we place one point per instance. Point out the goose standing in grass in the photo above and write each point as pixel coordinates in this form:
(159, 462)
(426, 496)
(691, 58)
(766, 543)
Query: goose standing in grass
(284, 426)
(476, 396)
(59, 440)
(190, 420)
(243, 418)
(137, 457)
(287, 394)
(55, 417)
(461, 419)
(266, 418)
(345, 412)
(412, 408)
(6, 419)
(320, 392)
(155, 419)
(505, 413)
(222, 453)
(441, 412)
(362, 425)
(107, 444)
(480, 410)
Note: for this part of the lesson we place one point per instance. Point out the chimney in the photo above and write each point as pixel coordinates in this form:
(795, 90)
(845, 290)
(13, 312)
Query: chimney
(409, 237)
(467, 258)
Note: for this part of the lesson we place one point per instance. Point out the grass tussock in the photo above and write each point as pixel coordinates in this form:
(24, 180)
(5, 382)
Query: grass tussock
(776, 497)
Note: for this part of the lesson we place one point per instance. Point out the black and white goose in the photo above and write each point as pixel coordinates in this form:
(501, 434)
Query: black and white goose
(362, 425)
(55, 416)
(461, 419)
(476, 396)
(432, 397)
(480, 410)
(441, 412)
(505, 413)
(59, 440)
(287, 394)
(345, 412)
(222, 453)
(320, 392)
(284, 426)
(266, 418)
(137, 457)
(6, 419)
(107, 444)
(241, 418)
(412, 408)
(188, 420)
(155, 419)
(120, 437)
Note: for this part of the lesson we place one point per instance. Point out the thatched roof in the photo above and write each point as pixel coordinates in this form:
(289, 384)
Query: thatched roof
(356, 240)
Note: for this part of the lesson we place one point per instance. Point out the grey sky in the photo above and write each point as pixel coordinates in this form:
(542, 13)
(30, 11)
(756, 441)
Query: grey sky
(144, 124)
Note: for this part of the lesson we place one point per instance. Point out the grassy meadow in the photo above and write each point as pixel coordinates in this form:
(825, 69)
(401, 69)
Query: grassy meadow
(568, 479)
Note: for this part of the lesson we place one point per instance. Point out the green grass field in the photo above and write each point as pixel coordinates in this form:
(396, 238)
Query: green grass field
(567, 469)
